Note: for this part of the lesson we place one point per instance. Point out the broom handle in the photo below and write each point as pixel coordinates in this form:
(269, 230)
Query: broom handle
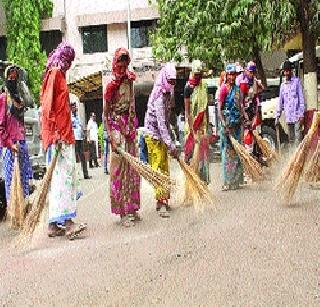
(278, 139)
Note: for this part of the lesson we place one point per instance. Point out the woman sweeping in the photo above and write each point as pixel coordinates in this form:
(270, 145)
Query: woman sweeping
(121, 124)
(196, 103)
(57, 134)
(230, 113)
(157, 125)
(12, 131)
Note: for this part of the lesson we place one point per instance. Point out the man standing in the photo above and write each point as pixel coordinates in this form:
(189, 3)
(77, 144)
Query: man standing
(78, 134)
(291, 100)
(93, 140)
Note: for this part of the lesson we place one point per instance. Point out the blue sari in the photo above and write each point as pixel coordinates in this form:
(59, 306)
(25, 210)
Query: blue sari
(232, 170)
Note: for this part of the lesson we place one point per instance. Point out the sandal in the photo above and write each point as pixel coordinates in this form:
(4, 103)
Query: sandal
(163, 212)
(73, 231)
(55, 231)
(226, 187)
(126, 221)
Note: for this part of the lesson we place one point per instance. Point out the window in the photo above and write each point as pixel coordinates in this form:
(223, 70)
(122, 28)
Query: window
(49, 40)
(3, 47)
(94, 39)
(140, 33)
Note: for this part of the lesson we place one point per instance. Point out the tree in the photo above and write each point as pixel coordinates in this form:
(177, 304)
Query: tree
(228, 30)
(215, 31)
(23, 20)
(306, 17)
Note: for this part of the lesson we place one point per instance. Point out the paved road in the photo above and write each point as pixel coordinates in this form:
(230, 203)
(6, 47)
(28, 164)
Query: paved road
(247, 250)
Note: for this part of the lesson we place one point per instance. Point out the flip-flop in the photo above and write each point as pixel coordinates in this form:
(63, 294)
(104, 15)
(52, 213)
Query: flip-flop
(163, 212)
(75, 231)
(60, 232)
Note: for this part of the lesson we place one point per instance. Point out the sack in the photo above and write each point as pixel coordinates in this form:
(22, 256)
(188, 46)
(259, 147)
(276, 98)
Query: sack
(3, 201)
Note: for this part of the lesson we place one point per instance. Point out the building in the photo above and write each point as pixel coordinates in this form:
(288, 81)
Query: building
(96, 29)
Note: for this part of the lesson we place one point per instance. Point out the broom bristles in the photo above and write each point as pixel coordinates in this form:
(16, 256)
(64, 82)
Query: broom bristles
(252, 167)
(267, 151)
(17, 207)
(312, 173)
(32, 218)
(289, 180)
(199, 193)
(157, 179)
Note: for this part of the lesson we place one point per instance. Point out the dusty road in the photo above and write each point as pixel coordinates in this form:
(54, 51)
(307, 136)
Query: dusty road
(247, 250)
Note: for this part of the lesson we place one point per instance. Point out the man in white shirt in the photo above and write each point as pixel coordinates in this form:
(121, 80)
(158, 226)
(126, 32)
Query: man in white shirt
(78, 135)
(92, 129)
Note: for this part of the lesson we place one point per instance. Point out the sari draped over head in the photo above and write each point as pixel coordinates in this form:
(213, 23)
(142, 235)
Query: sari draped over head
(198, 112)
(120, 114)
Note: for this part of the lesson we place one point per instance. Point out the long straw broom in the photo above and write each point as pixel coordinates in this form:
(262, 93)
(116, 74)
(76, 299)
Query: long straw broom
(198, 192)
(33, 217)
(289, 180)
(189, 189)
(312, 173)
(17, 206)
(157, 179)
(252, 167)
(267, 151)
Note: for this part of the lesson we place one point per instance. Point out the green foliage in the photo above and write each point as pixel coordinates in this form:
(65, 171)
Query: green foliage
(23, 19)
(220, 30)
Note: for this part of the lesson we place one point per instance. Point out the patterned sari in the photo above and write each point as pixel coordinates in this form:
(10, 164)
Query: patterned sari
(197, 145)
(125, 181)
(232, 170)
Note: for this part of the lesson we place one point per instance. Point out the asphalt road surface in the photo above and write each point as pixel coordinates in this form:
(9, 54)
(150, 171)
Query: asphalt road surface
(246, 250)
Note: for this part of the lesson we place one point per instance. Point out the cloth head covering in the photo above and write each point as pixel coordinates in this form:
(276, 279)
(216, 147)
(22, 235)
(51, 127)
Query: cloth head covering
(196, 68)
(119, 54)
(231, 68)
(162, 85)
(239, 68)
(61, 57)
(251, 66)
(117, 76)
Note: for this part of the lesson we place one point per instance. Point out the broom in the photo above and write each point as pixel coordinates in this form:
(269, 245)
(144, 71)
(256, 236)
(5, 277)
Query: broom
(312, 173)
(198, 192)
(288, 182)
(17, 207)
(32, 218)
(189, 193)
(268, 153)
(157, 179)
(252, 167)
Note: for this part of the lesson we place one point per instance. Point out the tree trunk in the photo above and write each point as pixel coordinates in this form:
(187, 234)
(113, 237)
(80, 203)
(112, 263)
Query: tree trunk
(260, 68)
(305, 15)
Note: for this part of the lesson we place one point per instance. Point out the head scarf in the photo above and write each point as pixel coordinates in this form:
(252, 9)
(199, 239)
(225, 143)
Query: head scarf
(61, 57)
(196, 68)
(239, 68)
(162, 85)
(231, 68)
(251, 66)
(117, 76)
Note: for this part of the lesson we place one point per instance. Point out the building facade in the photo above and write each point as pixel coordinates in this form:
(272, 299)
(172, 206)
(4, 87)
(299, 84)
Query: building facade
(96, 29)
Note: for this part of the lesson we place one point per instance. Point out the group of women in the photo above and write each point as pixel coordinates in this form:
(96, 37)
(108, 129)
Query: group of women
(121, 124)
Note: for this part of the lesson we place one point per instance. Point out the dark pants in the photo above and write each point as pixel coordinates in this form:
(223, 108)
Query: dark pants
(294, 133)
(80, 156)
(93, 154)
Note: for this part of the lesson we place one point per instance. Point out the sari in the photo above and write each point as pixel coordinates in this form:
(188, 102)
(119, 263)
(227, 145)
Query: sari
(196, 147)
(124, 180)
(232, 170)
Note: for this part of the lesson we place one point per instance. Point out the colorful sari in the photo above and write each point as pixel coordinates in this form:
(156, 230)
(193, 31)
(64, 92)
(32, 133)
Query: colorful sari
(124, 180)
(232, 170)
(197, 145)
(64, 187)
